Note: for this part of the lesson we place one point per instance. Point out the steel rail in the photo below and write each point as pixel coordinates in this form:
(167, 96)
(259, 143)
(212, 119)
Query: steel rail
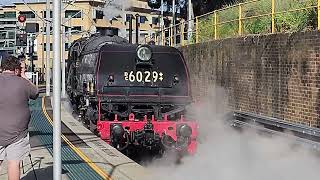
(279, 123)
(302, 141)
(299, 131)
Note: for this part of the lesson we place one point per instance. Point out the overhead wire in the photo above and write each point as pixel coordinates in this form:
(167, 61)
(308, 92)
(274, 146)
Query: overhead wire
(48, 20)
(93, 23)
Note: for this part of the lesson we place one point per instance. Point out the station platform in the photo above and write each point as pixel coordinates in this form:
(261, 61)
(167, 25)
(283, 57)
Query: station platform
(84, 155)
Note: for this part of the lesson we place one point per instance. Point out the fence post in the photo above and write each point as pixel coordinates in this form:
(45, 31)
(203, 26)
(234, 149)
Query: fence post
(240, 19)
(273, 15)
(318, 15)
(197, 29)
(215, 24)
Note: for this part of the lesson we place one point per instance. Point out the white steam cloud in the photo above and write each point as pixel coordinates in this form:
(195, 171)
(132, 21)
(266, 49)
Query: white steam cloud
(114, 8)
(226, 154)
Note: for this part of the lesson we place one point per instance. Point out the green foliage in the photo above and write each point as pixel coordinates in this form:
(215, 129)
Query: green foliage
(257, 25)
(291, 16)
(297, 20)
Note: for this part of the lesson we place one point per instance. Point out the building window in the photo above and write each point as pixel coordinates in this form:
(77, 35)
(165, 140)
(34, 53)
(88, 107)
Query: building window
(99, 14)
(155, 20)
(28, 14)
(7, 22)
(66, 46)
(74, 29)
(44, 14)
(9, 14)
(45, 29)
(11, 35)
(73, 14)
(45, 46)
(143, 19)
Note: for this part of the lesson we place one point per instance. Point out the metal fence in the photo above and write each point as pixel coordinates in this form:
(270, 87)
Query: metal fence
(247, 18)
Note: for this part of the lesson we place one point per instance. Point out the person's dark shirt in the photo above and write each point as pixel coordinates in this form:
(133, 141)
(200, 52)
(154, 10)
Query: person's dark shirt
(15, 93)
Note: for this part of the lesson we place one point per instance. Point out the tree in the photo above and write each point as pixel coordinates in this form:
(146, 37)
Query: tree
(199, 6)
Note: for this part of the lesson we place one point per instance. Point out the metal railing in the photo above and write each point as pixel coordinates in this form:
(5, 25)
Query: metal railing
(247, 18)
(34, 77)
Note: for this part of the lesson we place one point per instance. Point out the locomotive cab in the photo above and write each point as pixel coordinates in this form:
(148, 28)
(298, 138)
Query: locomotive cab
(133, 96)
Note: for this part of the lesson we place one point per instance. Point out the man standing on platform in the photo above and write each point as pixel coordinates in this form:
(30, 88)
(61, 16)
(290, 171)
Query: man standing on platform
(15, 93)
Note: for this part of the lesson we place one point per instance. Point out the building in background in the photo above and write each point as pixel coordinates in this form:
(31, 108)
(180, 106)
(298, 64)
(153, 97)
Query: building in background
(8, 28)
(80, 18)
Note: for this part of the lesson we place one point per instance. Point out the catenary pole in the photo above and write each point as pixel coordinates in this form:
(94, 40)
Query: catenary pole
(190, 20)
(162, 22)
(57, 90)
(42, 58)
(48, 48)
(174, 21)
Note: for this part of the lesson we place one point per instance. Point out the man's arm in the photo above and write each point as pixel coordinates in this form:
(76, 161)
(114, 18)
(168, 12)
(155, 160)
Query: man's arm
(33, 90)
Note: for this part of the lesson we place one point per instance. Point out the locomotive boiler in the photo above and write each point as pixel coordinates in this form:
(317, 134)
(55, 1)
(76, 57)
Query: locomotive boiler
(133, 96)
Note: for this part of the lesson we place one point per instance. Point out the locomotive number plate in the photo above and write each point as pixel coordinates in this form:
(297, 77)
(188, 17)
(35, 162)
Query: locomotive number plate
(143, 76)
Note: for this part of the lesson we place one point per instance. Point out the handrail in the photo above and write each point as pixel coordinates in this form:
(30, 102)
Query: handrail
(213, 22)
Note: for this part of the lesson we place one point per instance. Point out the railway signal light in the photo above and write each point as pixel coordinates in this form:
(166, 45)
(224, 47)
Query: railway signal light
(22, 18)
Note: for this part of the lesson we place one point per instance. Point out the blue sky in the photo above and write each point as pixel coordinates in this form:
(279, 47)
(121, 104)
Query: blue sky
(11, 1)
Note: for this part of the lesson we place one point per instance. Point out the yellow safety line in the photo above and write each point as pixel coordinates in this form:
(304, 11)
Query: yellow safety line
(73, 147)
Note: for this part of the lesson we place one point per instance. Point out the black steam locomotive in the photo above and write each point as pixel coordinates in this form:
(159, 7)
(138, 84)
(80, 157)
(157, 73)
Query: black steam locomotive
(133, 96)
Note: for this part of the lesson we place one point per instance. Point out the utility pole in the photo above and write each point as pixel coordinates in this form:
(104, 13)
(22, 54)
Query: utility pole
(57, 90)
(190, 24)
(48, 48)
(174, 21)
(42, 58)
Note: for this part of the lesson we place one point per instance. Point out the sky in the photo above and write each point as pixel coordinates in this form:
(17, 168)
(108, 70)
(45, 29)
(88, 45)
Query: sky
(6, 2)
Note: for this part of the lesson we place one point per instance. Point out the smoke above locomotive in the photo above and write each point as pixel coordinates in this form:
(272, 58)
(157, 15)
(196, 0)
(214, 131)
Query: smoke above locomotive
(133, 96)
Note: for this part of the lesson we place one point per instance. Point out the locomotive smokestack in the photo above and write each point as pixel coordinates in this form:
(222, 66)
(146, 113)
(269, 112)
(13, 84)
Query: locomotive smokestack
(130, 29)
(137, 28)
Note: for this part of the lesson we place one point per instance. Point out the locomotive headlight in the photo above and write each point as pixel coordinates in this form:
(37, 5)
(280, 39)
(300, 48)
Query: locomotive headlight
(176, 79)
(144, 53)
(185, 130)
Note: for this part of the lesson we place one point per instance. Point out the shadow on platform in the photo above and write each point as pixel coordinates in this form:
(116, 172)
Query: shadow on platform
(41, 174)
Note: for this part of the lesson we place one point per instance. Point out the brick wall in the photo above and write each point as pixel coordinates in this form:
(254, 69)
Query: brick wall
(274, 75)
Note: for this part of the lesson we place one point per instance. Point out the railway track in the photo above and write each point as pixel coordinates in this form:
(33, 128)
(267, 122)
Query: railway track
(306, 136)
